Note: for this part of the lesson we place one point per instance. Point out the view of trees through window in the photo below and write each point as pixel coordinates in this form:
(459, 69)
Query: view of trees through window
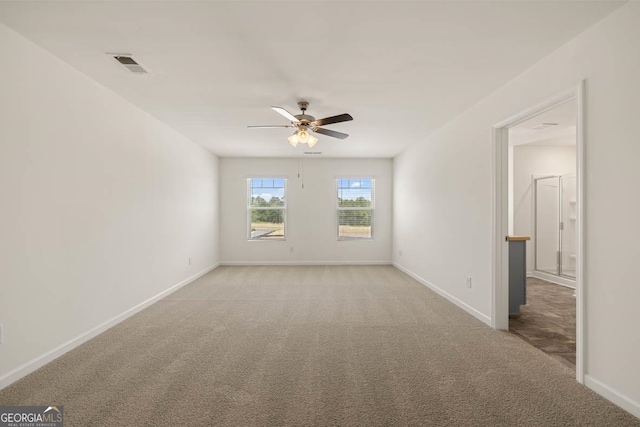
(355, 208)
(267, 208)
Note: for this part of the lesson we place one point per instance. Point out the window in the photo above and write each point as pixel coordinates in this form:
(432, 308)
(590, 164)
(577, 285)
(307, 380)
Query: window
(355, 208)
(266, 208)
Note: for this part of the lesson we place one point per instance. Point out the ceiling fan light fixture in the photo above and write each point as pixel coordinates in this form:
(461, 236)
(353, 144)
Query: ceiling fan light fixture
(303, 136)
(293, 139)
(312, 141)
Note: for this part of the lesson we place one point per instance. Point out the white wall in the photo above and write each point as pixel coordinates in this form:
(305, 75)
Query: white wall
(311, 212)
(102, 205)
(530, 160)
(443, 195)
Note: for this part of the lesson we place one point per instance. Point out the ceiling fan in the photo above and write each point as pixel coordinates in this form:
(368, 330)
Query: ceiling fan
(305, 123)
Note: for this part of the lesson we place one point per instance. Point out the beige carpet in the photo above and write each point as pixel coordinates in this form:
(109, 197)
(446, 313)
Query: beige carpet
(297, 346)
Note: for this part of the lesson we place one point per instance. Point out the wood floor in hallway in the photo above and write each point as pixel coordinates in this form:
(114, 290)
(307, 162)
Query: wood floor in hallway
(548, 320)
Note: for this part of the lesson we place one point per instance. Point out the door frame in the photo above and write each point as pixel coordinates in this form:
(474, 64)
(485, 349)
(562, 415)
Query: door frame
(500, 252)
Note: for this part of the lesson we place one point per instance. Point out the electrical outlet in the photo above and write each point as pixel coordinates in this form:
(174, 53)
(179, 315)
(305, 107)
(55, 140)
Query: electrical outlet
(400, 252)
(1, 335)
(189, 260)
(291, 249)
(469, 282)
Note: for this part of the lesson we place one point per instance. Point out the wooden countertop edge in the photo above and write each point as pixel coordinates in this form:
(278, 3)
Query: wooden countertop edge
(517, 238)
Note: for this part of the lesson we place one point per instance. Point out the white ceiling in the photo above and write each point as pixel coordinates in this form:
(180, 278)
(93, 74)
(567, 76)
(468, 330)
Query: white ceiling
(401, 69)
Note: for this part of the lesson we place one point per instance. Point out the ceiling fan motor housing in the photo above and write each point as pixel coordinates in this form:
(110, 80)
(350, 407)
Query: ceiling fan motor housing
(305, 118)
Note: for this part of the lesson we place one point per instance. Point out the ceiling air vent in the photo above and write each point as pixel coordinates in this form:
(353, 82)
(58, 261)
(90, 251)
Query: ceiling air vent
(130, 64)
(544, 126)
(316, 153)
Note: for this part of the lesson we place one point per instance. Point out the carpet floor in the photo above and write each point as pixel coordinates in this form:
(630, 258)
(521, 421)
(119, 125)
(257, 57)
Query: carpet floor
(310, 346)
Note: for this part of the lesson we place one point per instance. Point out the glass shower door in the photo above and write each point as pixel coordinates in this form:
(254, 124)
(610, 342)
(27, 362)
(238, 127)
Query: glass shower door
(547, 224)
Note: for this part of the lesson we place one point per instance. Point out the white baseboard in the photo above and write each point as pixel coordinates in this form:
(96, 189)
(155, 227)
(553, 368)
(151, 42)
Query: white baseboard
(27, 368)
(229, 263)
(610, 394)
(472, 311)
(554, 279)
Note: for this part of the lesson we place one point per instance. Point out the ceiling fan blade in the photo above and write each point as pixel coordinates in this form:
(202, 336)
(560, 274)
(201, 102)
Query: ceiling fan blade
(333, 119)
(285, 113)
(332, 133)
(270, 126)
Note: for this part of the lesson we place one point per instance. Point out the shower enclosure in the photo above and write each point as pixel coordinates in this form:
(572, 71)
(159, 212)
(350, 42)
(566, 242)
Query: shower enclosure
(555, 225)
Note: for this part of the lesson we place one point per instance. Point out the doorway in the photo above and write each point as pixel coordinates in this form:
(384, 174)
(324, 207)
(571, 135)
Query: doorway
(550, 249)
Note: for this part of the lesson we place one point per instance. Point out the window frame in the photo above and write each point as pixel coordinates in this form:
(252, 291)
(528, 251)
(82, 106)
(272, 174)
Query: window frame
(250, 209)
(339, 208)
